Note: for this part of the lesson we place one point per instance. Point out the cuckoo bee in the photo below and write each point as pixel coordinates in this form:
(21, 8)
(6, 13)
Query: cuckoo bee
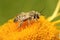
(23, 16)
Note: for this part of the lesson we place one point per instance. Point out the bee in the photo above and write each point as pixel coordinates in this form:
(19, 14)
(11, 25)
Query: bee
(26, 16)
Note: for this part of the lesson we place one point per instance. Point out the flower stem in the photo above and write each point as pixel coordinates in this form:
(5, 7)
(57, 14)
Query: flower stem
(55, 12)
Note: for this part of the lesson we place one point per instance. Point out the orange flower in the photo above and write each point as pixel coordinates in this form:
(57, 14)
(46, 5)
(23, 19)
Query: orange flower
(42, 29)
(37, 30)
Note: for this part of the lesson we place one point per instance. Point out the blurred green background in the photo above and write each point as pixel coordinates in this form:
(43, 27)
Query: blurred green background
(10, 8)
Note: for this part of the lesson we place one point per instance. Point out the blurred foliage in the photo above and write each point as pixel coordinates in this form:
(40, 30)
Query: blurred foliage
(10, 8)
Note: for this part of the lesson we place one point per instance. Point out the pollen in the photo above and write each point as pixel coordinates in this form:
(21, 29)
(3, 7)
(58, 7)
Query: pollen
(36, 30)
(41, 29)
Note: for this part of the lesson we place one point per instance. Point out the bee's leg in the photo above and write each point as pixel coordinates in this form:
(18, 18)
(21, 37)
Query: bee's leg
(28, 21)
(32, 18)
(20, 24)
(36, 18)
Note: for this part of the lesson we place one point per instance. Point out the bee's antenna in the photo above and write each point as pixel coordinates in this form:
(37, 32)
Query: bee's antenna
(42, 10)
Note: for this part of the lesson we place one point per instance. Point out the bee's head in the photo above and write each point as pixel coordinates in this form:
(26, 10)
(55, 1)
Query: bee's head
(36, 16)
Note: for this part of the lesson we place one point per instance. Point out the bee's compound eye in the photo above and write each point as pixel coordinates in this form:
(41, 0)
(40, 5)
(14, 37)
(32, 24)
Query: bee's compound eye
(36, 16)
